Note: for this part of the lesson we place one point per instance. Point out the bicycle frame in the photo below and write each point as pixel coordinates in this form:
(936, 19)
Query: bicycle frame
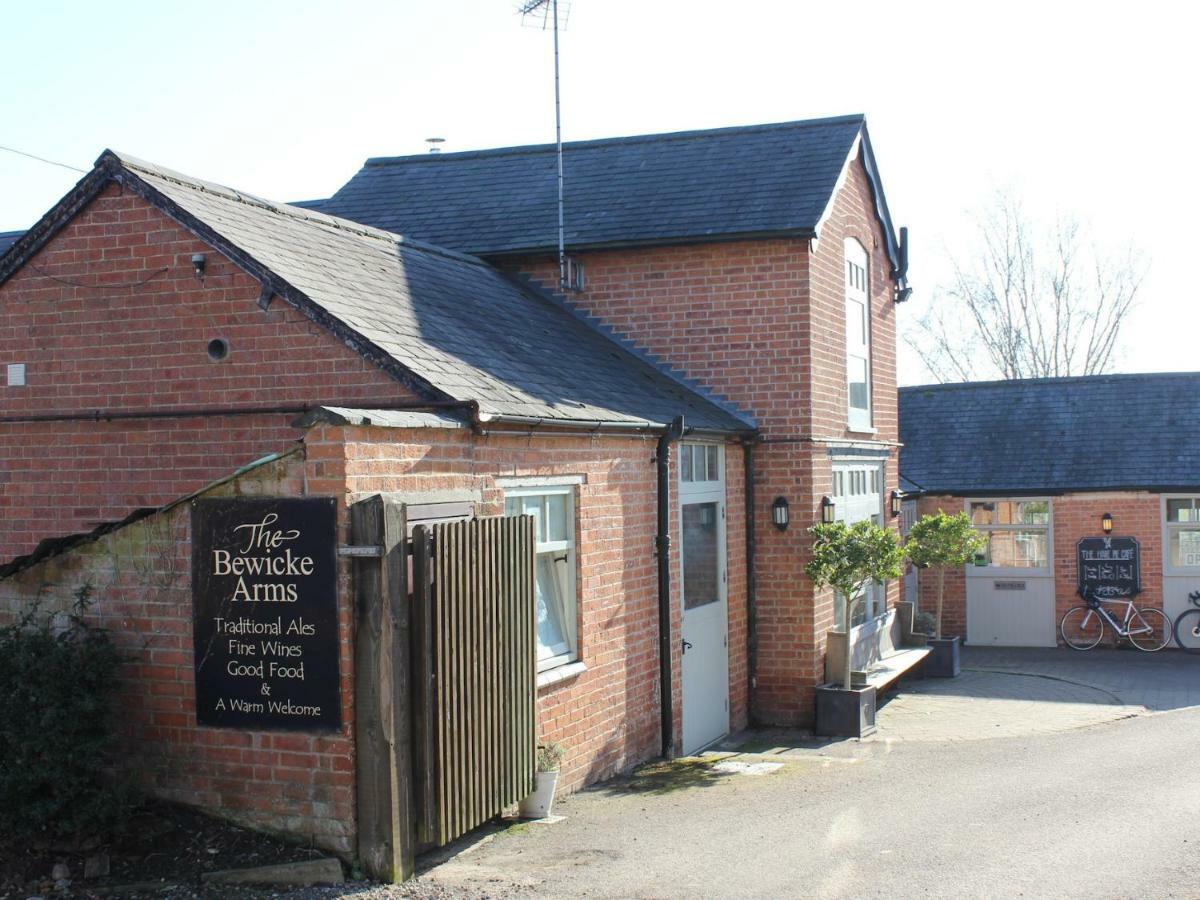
(1120, 628)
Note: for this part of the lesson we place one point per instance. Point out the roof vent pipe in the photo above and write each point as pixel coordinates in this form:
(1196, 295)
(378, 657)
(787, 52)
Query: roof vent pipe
(433, 143)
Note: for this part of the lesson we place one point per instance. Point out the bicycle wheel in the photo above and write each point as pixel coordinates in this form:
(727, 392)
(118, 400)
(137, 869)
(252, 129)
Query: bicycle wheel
(1187, 631)
(1149, 629)
(1081, 627)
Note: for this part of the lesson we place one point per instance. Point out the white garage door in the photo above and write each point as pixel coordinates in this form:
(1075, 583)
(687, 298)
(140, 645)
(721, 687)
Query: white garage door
(1010, 593)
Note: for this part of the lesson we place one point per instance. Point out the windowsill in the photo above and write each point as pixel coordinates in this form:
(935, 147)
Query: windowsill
(559, 674)
(862, 429)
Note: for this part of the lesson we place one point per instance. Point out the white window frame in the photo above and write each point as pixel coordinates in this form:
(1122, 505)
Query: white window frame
(1170, 527)
(852, 474)
(693, 454)
(857, 289)
(974, 571)
(567, 566)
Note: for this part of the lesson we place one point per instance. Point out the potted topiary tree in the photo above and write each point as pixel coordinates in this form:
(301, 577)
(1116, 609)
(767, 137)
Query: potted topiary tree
(548, 761)
(848, 558)
(942, 542)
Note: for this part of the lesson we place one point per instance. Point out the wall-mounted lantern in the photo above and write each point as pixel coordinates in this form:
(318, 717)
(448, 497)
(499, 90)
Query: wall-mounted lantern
(828, 511)
(897, 501)
(780, 514)
(1106, 523)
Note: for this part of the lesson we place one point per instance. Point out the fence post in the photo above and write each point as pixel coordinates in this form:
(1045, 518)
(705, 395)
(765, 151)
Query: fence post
(382, 692)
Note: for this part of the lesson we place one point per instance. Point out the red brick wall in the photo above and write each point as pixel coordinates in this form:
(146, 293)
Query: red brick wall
(762, 324)
(1077, 516)
(299, 784)
(135, 339)
(608, 716)
(1073, 516)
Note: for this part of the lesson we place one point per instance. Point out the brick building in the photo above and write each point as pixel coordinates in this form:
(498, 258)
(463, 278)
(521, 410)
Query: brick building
(159, 334)
(1041, 464)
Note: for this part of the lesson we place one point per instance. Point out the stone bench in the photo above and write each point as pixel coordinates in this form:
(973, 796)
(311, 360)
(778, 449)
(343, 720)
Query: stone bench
(880, 655)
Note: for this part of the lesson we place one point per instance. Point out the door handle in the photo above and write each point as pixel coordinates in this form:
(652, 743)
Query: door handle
(687, 645)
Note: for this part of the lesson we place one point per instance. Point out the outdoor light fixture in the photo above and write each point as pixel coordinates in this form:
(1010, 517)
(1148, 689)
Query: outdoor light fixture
(779, 513)
(897, 499)
(1106, 523)
(198, 265)
(828, 511)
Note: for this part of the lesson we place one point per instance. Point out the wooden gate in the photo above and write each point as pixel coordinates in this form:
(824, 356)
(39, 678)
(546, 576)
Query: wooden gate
(445, 678)
(474, 679)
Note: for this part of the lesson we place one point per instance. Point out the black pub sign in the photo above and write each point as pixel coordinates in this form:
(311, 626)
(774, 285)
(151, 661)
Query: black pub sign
(1109, 567)
(264, 607)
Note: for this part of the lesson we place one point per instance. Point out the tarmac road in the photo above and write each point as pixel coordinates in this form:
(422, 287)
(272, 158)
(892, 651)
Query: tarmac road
(1108, 810)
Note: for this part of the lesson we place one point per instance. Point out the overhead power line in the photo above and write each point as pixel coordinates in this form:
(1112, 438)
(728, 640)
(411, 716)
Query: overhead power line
(42, 159)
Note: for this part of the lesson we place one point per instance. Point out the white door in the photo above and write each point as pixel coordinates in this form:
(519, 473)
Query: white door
(705, 605)
(1181, 552)
(1010, 611)
(1010, 597)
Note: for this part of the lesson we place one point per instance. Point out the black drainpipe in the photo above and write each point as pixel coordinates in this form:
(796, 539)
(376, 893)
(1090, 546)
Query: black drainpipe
(751, 585)
(662, 547)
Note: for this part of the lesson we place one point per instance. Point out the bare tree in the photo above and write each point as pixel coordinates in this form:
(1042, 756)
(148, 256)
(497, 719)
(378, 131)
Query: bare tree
(1027, 303)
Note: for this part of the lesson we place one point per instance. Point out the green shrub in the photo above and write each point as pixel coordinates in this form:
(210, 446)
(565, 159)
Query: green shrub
(848, 558)
(550, 756)
(57, 682)
(942, 542)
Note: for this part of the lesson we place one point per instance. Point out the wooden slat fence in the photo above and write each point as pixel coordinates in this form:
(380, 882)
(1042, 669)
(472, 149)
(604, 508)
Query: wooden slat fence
(474, 672)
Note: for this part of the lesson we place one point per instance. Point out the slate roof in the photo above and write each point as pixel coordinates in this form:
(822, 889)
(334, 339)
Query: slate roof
(1052, 435)
(7, 239)
(447, 325)
(651, 189)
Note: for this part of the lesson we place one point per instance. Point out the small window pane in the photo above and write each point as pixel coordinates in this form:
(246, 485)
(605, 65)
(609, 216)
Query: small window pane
(685, 463)
(1185, 547)
(856, 322)
(556, 519)
(714, 473)
(983, 513)
(1016, 549)
(1034, 512)
(1182, 510)
(856, 371)
(532, 506)
(701, 561)
(551, 633)
(512, 506)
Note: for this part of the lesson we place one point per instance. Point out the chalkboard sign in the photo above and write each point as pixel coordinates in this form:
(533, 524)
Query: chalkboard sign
(264, 606)
(1109, 567)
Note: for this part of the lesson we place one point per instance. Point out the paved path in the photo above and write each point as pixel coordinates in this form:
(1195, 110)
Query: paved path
(1036, 773)
(1010, 692)
(1098, 812)
(1160, 681)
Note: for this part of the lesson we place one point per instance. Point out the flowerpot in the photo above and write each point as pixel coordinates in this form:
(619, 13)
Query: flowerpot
(845, 713)
(942, 662)
(538, 804)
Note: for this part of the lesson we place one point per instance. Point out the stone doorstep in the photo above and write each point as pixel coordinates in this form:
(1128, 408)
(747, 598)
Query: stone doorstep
(296, 874)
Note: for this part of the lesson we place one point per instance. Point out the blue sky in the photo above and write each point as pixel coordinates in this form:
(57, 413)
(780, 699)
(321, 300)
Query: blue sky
(1079, 108)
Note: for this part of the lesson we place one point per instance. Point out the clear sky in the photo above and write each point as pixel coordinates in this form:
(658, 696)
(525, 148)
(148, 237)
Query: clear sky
(1079, 108)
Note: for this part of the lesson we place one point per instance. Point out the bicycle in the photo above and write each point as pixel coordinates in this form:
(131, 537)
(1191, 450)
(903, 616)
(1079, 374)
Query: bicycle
(1187, 626)
(1082, 627)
